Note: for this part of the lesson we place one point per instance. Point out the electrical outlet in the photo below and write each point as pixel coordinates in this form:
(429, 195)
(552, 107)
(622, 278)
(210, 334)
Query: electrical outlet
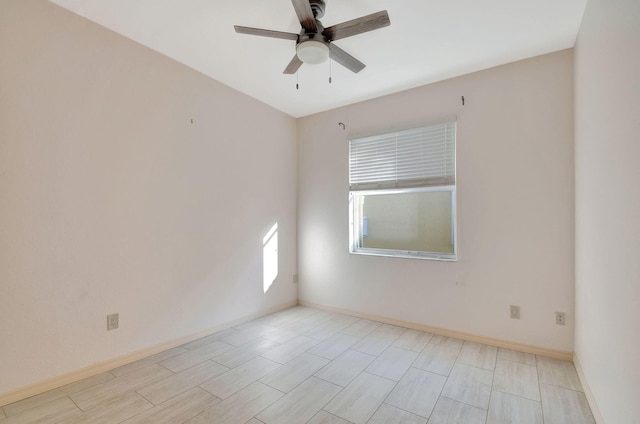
(560, 318)
(112, 322)
(515, 312)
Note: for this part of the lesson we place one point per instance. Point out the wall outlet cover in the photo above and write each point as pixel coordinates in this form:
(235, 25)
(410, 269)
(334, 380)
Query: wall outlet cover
(515, 312)
(112, 321)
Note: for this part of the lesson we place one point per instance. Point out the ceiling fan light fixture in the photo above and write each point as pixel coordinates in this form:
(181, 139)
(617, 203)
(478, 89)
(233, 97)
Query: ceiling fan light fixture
(312, 52)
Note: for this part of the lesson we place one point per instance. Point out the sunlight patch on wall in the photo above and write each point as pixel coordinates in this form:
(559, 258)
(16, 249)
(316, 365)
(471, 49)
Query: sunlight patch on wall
(270, 257)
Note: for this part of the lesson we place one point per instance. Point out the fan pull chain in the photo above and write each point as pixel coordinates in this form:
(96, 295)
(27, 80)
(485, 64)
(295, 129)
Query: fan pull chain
(330, 70)
(297, 85)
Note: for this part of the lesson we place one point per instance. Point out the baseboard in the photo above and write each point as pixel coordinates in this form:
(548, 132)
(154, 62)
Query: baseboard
(597, 415)
(551, 353)
(95, 369)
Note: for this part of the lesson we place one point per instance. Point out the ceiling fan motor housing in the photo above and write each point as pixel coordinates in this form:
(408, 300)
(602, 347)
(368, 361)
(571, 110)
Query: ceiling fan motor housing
(316, 36)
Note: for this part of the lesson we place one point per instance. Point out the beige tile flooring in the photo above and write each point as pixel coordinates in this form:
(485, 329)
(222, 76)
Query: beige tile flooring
(304, 365)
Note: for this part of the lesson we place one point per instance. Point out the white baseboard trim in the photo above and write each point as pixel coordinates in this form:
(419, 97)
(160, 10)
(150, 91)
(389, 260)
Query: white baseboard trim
(551, 353)
(62, 380)
(597, 415)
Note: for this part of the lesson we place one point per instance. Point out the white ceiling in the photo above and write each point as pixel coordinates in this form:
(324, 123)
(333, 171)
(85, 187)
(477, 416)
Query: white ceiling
(428, 41)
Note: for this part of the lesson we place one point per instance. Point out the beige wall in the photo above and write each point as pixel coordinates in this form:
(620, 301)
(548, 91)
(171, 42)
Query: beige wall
(111, 200)
(607, 160)
(515, 207)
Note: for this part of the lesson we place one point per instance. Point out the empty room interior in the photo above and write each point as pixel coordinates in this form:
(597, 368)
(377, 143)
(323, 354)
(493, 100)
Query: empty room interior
(190, 235)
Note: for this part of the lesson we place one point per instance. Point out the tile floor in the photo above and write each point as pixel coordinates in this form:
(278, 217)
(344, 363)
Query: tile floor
(304, 365)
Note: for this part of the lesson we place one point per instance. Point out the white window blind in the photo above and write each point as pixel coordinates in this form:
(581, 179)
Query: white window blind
(418, 157)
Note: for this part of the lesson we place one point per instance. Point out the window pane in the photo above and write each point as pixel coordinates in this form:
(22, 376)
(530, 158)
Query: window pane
(412, 221)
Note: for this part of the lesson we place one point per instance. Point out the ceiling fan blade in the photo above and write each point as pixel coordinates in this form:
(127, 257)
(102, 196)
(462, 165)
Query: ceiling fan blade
(345, 59)
(266, 33)
(305, 15)
(358, 26)
(293, 66)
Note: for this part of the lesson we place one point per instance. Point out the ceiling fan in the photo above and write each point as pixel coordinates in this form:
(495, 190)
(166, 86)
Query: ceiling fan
(314, 43)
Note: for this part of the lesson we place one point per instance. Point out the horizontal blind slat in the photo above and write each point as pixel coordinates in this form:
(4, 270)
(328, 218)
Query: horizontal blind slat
(416, 157)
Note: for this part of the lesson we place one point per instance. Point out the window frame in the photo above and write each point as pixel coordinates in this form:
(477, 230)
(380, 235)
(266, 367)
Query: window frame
(356, 230)
(356, 226)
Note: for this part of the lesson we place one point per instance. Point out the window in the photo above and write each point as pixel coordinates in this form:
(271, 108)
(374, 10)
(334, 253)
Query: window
(402, 193)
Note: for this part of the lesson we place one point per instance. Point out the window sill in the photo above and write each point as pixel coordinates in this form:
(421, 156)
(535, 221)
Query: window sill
(406, 254)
